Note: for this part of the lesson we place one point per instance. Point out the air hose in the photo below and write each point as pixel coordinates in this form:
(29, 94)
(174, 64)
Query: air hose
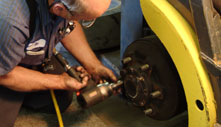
(60, 121)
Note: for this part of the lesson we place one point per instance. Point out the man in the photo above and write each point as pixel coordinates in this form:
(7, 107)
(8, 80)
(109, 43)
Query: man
(26, 43)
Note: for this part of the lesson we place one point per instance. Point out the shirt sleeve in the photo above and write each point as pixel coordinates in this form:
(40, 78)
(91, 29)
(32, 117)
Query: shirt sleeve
(12, 44)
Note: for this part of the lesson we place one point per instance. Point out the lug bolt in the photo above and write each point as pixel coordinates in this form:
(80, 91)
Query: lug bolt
(148, 111)
(155, 94)
(126, 60)
(145, 67)
(140, 78)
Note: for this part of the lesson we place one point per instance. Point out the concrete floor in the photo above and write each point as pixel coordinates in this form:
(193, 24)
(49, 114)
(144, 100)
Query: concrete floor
(114, 112)
(117, 112)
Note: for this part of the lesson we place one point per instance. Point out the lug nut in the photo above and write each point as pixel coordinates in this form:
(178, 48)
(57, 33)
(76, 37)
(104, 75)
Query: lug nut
(126, 60)
(155, 94)
(145, 67)
(148, 111)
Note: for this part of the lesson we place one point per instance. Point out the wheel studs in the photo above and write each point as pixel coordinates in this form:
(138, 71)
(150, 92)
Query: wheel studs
(126, 60)
(148, 111)
(145, 67)
(140, 78)
(155, 94)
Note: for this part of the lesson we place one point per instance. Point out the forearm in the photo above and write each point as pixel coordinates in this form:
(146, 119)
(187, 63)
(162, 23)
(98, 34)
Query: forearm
(22, 79)
(76, 43)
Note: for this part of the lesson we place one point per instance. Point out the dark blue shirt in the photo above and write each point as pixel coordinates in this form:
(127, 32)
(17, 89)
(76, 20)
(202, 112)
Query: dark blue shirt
(17, 46)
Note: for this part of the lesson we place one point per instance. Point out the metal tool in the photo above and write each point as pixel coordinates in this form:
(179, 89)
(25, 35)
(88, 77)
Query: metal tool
(87, 98)
(92, 94)
(66, 65)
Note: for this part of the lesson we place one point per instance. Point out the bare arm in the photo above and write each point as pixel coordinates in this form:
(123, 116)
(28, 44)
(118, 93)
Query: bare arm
(76, 43)
(78, 46)
(24, 80)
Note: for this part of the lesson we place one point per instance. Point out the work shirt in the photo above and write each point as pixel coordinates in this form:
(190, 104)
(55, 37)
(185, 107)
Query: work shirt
(17, 44)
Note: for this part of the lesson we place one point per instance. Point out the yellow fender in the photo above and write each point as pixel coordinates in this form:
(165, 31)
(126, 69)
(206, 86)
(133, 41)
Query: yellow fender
(181, 42)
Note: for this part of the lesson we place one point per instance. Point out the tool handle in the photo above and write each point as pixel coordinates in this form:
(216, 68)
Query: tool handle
(74, 74)
(71, 71)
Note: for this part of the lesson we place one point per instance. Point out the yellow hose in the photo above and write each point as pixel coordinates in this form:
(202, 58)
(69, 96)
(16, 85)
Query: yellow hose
(60, 121)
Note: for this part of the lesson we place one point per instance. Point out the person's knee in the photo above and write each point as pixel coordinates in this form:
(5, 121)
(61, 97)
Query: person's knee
(42, 101)
(64, 99)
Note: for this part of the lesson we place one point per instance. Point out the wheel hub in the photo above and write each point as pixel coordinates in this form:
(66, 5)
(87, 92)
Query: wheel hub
(151, 81)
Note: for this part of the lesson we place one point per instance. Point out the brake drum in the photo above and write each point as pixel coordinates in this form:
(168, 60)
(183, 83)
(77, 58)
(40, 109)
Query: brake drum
(151, 81)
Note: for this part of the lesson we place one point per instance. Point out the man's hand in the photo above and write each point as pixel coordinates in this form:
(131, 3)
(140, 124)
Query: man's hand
(72, 84)
(101, 73)
(84, 75)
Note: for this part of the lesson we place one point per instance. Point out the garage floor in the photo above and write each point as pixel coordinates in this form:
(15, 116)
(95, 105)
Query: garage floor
(115, 112)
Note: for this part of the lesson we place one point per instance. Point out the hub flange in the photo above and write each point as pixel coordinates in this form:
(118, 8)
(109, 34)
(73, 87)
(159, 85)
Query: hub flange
(151, 81)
